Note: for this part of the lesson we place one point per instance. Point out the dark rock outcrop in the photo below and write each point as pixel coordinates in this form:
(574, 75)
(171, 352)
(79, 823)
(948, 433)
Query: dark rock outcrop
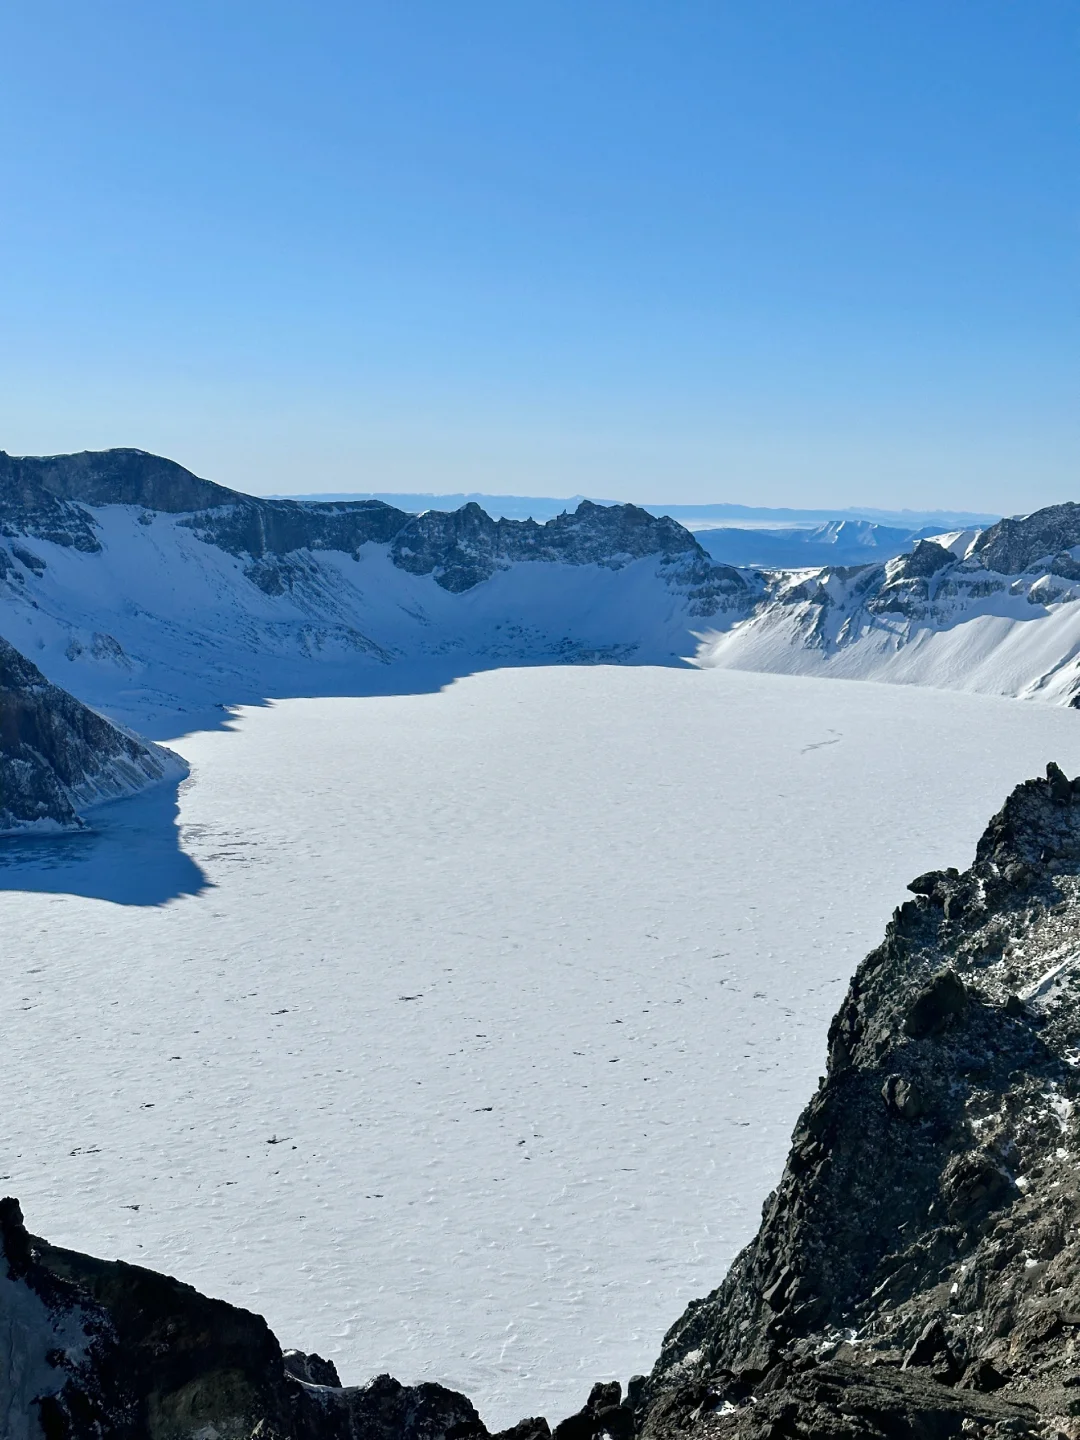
(917, 1271)
(95, 1349)
(1013, 544)
(108, 477)
(57, 755)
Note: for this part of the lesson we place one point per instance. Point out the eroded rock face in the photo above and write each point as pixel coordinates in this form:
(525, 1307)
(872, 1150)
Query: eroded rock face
(57, 754)
(917, 1270)
(1012, 545)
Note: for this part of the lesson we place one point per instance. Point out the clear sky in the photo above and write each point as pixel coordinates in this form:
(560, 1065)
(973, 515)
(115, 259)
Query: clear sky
(807, 252)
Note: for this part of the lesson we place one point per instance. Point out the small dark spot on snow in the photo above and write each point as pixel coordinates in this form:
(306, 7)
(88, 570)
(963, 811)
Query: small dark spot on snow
(482, 1107)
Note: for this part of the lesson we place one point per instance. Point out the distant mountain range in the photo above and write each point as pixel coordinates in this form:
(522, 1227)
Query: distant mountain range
(693, 517)
(162, 599)
(834, 542)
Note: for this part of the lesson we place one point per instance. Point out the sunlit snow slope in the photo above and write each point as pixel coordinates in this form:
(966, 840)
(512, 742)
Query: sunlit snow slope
(997, 612)
(464, 1034)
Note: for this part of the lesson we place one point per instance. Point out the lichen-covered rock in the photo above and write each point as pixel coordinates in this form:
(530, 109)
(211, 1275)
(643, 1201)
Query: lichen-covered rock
(57, 755)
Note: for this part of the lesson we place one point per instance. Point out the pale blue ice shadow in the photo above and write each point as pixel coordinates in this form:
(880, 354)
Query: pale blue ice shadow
(129, 853)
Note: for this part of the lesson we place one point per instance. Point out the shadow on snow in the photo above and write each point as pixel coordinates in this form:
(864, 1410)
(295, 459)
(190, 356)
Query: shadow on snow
(129, 854)
(130, 851)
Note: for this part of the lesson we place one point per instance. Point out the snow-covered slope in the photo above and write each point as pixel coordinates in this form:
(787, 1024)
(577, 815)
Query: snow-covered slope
(57, 756)
(153, 594)
(996, 612)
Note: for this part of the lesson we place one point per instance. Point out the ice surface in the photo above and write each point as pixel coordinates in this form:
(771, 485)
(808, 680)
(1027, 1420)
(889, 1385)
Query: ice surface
(462, 1033)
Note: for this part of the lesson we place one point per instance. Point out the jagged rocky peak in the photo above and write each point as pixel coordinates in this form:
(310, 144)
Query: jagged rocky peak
(917, 1270)
(463, 547)
(927, 558)
(1012, 545)
(57, 755)
(53, 498)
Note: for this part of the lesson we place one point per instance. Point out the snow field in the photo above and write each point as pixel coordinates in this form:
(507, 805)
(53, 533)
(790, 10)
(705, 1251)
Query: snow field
(480, 1048)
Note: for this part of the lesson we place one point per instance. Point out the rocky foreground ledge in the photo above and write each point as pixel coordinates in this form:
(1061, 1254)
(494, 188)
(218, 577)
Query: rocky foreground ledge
(916, 1274)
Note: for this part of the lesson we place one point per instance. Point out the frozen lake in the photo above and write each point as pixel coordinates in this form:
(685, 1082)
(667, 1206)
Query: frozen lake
(462, 1034)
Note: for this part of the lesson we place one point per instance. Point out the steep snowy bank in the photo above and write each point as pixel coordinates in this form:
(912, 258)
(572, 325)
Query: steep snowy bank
(154, 595)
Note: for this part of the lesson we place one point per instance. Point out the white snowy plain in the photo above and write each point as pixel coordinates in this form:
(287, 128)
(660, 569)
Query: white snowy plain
(475, 1047)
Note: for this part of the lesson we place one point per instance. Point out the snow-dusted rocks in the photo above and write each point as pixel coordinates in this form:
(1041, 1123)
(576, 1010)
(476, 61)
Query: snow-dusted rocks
(917, 1270)
(57, 756)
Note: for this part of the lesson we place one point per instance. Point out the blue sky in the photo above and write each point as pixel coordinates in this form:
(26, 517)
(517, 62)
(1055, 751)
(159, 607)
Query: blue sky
(792, 252)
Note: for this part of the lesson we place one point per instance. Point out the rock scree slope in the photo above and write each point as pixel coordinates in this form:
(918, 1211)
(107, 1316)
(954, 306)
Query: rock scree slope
(916, 1273)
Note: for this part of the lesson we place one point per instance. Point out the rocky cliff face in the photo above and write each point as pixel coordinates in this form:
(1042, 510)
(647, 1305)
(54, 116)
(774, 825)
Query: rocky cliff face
(917, 1270)
(53, 498)
(95, 1349)
(916, 1274)
(57, 755)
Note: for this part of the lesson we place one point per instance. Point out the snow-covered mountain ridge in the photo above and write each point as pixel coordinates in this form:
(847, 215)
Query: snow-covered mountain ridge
(152, 593)
(994, 611)
(160, 597)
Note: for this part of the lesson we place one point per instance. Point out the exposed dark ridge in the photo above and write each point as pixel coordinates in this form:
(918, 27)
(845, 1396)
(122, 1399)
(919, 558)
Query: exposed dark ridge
(100, 1348)
(45, 497)
(462, 547)
(111, 477)
(929, 1206)
(55, 752)
(927, 558)
(1010, 546)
